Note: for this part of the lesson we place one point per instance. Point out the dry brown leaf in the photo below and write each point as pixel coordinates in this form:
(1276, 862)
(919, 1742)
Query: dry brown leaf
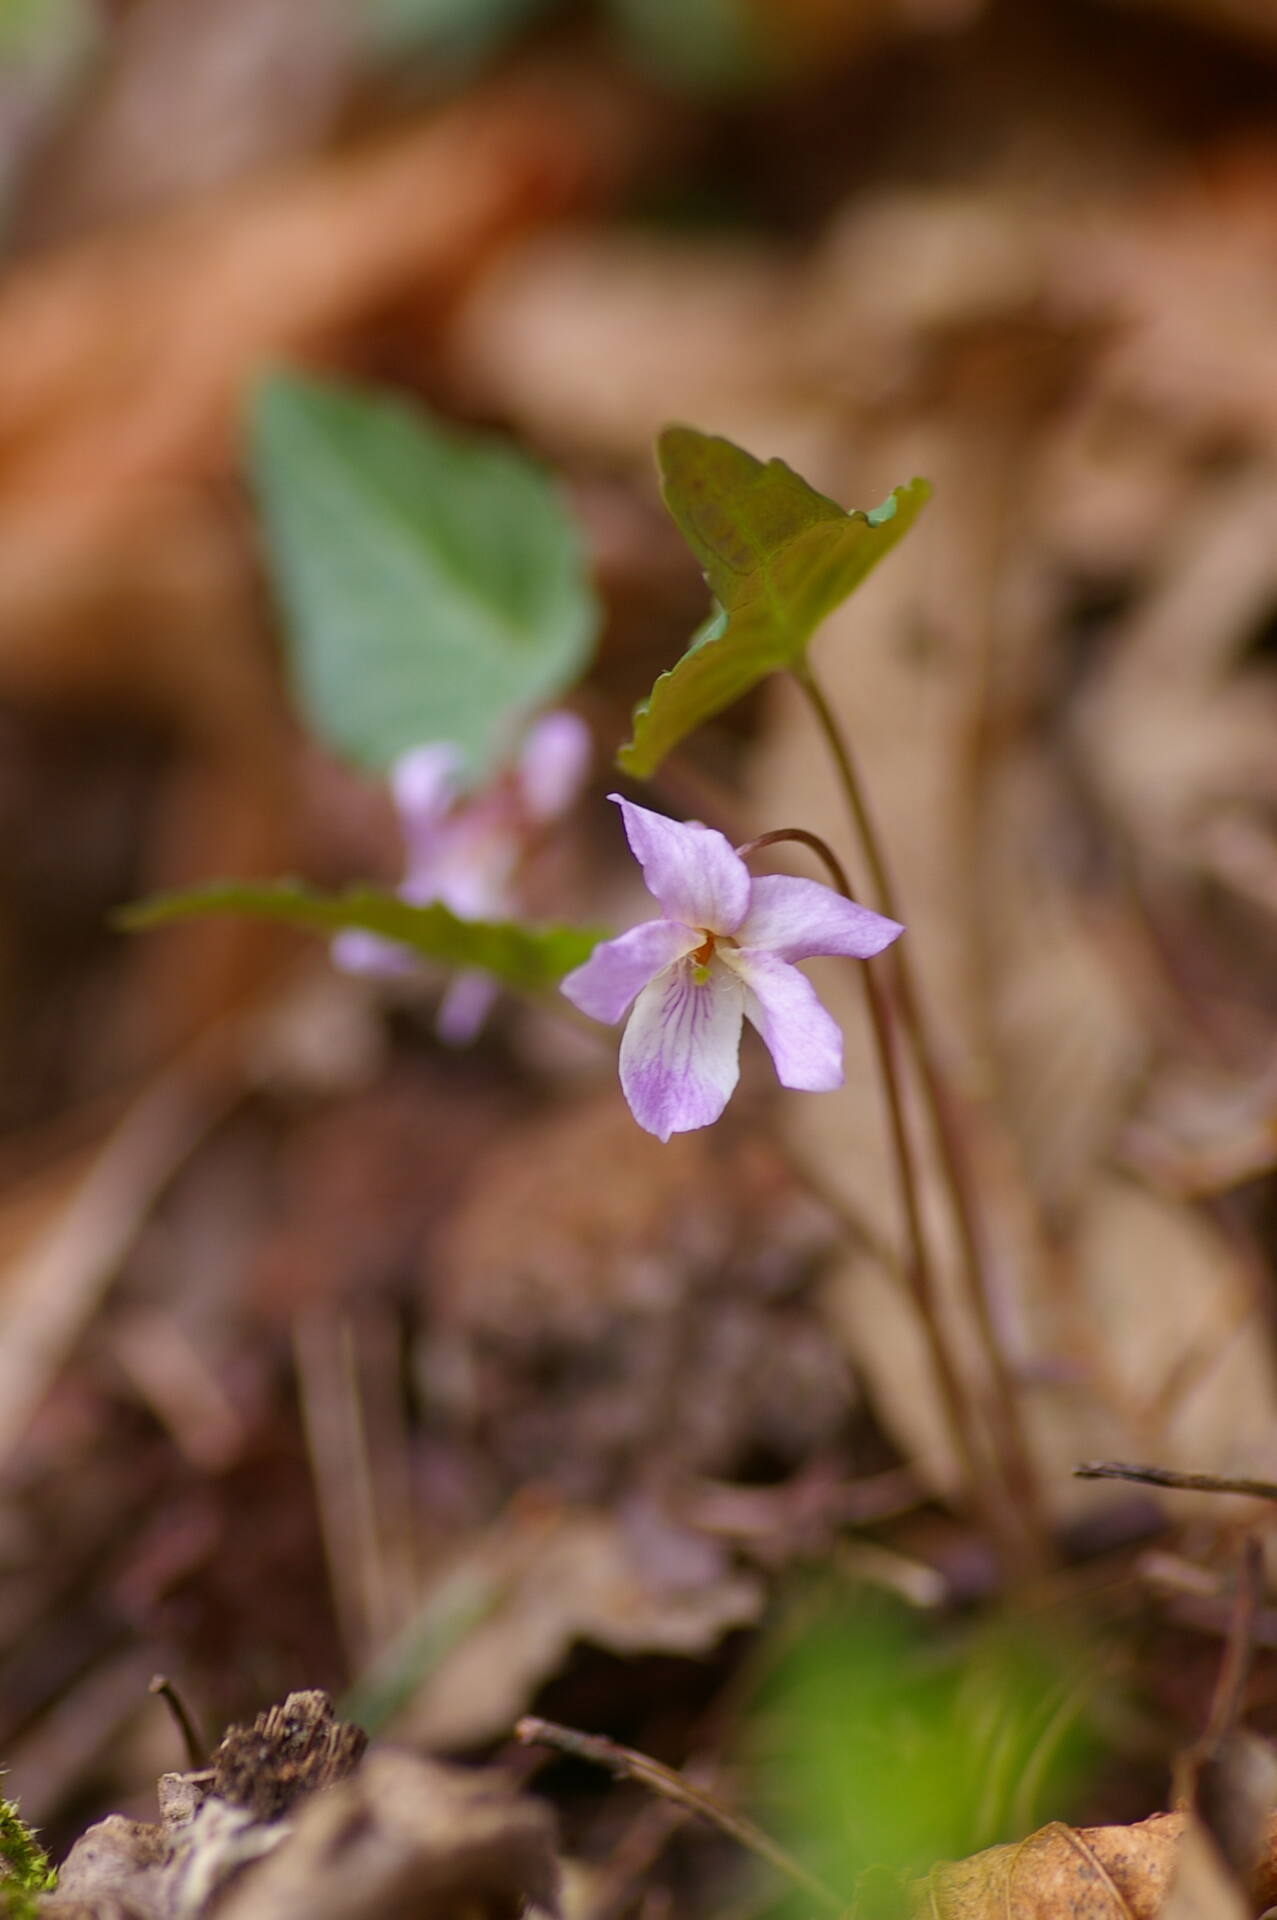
(186, 98)
(1186, 276)
(1203, 1131)
(53, 1283)
(1091, 1873)
(598, 339)
(123, 358)
(1202, 1887)
(1232, 1778)
(117, 1860)
(901, 270)
(1173, 728)
(406, 1837)
(563, 1577)
(390, 1837)
(662, 1286)
(1160, 1867)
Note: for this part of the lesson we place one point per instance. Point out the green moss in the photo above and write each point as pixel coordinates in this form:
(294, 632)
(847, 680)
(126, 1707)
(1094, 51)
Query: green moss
(25, 1867)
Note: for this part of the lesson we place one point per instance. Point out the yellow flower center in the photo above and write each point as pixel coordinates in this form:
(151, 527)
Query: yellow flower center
(701, 956)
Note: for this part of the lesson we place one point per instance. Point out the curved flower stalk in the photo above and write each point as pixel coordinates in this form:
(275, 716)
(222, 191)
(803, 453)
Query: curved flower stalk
(467, 851)
(722, 952)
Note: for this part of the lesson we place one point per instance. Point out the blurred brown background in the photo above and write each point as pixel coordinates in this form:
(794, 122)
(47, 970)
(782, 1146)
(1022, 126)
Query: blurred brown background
(329, 1357)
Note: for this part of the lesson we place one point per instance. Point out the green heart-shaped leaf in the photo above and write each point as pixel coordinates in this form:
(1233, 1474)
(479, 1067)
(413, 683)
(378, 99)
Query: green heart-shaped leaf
(778, 557)
(528, 957)
(433, 582)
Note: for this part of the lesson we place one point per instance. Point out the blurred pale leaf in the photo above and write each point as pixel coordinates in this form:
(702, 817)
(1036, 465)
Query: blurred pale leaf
(778, 557)
(529, 957)
(433, 582)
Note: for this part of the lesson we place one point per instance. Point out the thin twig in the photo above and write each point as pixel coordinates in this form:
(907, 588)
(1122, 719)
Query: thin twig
(632, 1857)
(1198, 1767)
(918, 1270)
(1017, 1461)
(1230, 1686)
(163, 1688)
(624, 1763)
(1171, 1477)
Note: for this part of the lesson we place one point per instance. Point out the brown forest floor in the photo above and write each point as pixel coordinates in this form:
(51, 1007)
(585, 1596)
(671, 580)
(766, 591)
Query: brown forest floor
(331, 1358)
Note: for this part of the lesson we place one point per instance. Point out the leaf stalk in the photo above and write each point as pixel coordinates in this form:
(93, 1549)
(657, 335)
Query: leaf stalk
(1010, 1442)
(918, 1271)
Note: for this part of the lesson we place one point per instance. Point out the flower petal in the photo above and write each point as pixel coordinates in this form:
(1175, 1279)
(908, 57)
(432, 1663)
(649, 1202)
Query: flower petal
(471, 871)
(680, 1057)
(464, 1008)
(693, 871)
(805, 1042)
(355, 951)
(795, 919)
(553, 763)
(425, 783)
(618, 969)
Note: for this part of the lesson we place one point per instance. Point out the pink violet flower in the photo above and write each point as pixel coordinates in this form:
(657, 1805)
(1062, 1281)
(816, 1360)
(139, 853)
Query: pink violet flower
(722, 952)
(466, 850)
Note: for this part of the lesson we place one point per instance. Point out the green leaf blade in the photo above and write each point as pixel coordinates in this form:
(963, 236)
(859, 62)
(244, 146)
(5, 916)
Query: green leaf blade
(433, 584)
(777, 555)
(734, 511)
(715, 672)
(530, 958)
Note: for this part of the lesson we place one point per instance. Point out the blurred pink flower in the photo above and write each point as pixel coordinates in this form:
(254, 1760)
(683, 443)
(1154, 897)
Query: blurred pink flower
(466, 850)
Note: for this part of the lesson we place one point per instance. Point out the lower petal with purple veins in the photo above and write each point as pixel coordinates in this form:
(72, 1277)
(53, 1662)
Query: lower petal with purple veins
(680, 1057)
(805, 1042)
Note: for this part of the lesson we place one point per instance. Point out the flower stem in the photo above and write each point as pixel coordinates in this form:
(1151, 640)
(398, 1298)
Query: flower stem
(918, 1270)
(1008, 1426)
